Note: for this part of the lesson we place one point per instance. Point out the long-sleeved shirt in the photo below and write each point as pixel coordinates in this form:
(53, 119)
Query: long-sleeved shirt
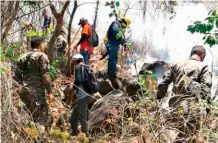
(112, 32)
(33, 70)
(47, 22)
(182, 73)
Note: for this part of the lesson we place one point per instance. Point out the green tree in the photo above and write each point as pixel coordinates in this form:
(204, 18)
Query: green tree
(208, 27)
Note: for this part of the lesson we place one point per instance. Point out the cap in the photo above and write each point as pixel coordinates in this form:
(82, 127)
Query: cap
(197, 49)
(81, 20)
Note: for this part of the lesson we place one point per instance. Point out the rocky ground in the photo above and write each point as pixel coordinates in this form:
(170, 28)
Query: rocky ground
(128, 115)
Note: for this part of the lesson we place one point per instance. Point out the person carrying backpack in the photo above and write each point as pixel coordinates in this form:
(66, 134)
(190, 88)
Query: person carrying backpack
(85, 85)
(34, 74)
(88, 40)
(192, 83)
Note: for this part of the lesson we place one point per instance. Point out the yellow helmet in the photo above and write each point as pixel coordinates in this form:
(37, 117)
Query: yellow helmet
(26, 23)
(127, 20)
(105, 39)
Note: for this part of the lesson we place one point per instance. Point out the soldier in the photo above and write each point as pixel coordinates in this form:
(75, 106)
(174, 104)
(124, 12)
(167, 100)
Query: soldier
(33, 73)
(192, 83)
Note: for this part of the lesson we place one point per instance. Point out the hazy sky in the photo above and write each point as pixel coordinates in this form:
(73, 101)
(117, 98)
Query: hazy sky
(176, 40)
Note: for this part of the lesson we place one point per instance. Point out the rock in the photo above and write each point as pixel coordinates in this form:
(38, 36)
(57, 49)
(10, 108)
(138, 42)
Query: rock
(105, 113)
(131, 86)
(105, 87)
(157, 67)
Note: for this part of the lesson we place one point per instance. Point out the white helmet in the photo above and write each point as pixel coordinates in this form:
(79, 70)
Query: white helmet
(77, 57)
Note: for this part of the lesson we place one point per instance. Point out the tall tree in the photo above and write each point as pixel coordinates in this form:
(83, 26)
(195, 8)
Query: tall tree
(69, 41)
(69, 53)
(9, 10)
(59, 23)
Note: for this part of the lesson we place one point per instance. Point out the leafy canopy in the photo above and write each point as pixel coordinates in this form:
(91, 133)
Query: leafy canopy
(207, 27)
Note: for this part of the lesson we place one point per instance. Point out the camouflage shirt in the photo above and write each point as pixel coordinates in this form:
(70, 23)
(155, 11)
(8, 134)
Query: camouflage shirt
(33, 70)
(193, 70)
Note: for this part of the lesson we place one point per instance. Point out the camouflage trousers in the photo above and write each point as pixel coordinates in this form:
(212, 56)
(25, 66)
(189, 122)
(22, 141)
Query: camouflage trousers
(35, 101)
(185, 119)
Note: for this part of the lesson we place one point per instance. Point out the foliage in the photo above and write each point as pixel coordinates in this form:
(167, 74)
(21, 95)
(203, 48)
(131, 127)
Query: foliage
(34, 32)
(31, 130)
(58, 134)
(206, 27)
(54, 66)
(148, 79)
(10, 52)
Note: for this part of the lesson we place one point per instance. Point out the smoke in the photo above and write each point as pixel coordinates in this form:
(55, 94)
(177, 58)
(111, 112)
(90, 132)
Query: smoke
(163, 39)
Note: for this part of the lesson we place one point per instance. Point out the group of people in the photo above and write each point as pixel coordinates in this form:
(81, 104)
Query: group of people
(31, 30)
(33, 73)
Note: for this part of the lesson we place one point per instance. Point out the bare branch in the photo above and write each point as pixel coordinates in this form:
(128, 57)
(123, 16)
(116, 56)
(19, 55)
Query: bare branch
(53, 9)
(31, 12)
(65, 7)
(10, 20)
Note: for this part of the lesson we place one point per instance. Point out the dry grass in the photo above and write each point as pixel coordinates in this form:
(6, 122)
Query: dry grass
(132, 125)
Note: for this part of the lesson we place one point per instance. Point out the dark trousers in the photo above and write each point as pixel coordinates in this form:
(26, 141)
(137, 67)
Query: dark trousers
(85, 55)
(112, 62)
(79, 114)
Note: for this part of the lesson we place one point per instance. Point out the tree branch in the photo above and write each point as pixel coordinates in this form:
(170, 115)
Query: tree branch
(10, 20)
(69, 38)
(31, 12)
(59, 18)
(65, 7)
(53, 9)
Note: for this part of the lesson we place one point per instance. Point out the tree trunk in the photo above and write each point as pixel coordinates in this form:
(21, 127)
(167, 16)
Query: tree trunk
(217, 90)
(9, 15)
(69, 52)
(59, 19)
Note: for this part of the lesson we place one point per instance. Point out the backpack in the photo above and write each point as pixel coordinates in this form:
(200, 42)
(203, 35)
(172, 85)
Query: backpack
(90, 83)
(187, 85)
(93, 38)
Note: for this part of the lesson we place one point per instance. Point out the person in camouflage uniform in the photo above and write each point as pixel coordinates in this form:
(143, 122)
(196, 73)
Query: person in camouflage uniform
(33, 72)
(192, 83)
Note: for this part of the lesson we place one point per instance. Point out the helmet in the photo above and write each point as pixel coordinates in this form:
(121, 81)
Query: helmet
(127, 20)
(26, 23)
(77, 57)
